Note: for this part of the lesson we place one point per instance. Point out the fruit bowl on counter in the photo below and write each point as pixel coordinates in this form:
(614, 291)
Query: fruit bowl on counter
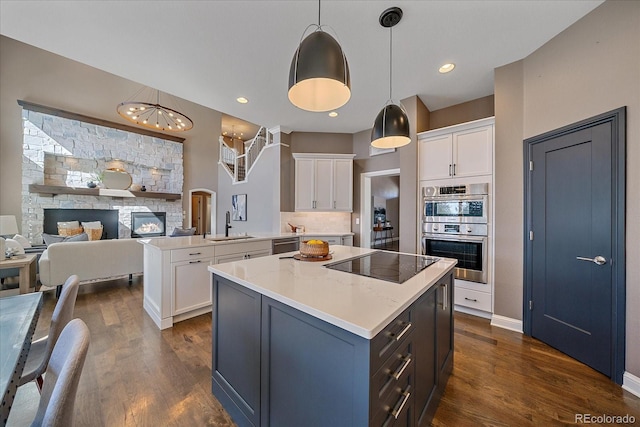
(314, 248)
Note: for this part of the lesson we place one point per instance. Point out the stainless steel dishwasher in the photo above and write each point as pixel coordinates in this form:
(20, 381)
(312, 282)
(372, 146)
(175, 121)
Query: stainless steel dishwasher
(285, 244)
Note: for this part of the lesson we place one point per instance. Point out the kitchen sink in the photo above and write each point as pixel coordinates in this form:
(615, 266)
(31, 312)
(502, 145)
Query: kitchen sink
(224, 239)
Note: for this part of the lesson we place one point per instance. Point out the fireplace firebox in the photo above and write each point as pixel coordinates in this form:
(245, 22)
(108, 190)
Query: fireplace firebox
(148, 224)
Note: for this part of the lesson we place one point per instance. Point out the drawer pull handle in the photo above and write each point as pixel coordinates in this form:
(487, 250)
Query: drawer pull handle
(396, 412)
(404, 331)
(195, 262)
(471, 299)
(396, 375)
(195, 253)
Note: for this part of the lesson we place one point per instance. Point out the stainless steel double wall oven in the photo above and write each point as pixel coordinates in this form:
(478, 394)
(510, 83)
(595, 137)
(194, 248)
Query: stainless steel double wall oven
(454, 225)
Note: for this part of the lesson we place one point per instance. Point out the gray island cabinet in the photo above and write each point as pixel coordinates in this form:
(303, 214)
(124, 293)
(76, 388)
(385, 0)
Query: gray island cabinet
(297, 344)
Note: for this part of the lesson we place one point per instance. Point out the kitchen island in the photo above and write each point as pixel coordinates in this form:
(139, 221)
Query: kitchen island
(296, 343)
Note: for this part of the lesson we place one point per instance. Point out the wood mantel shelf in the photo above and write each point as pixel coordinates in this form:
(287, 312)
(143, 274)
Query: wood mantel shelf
(80, 191)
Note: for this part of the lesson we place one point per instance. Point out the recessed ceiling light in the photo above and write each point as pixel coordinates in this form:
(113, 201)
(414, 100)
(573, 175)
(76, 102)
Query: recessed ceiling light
(242, 100)
(446, 68)
(333, 114)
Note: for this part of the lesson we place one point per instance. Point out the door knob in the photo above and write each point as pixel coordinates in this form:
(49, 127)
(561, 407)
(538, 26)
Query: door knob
(600, 260)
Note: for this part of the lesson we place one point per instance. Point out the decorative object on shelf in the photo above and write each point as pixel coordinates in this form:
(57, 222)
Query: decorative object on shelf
(116, 179)
(143, 188)
(391, 127)
(319, 77)
(239, 207)
(154, 116)
(91, 184)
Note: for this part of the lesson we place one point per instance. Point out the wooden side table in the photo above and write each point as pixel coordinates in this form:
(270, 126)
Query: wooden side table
(26, 264)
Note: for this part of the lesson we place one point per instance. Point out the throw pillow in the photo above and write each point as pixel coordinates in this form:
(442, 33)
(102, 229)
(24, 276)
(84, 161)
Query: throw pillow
(13, 246)
(82, 237)
(183, 232)
(22, 240)
(53, 238)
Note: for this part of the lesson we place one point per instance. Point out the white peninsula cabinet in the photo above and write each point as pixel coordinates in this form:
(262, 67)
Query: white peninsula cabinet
(242, 250)
(457, 151)
(323, 182)
(176, 280)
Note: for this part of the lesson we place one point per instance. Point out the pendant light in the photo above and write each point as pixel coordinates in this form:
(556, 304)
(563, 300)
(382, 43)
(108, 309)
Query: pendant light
(154, 115)
(319, 75)
(391, 127)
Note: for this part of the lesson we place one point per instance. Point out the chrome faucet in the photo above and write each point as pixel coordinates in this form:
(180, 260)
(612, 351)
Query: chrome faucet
(227, 224)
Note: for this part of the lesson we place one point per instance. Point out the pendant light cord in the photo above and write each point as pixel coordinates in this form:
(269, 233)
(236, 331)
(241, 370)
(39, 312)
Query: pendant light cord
(319, 13)
(390, 60)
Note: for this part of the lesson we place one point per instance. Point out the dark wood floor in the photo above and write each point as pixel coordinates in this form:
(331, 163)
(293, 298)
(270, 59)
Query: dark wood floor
(136, 375)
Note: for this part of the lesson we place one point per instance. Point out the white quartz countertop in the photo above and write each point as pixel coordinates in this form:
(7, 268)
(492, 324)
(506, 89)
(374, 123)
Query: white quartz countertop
(168, 243)
(358, 304)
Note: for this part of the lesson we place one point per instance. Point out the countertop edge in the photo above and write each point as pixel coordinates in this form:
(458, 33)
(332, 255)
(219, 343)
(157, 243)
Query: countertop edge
(332, 319)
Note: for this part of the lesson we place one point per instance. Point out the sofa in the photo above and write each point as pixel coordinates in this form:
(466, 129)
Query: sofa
(90, 260)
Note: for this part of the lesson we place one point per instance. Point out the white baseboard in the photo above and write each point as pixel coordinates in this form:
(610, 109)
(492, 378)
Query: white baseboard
(506, 323)
(631, 383)
(472, 311)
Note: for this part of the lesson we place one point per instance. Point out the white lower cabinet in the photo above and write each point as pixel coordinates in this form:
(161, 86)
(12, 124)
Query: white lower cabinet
(190, 285)
(241, 251)
(472, 299)
(177, 283)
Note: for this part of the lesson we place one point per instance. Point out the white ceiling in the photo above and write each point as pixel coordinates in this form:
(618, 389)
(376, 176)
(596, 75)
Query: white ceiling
(211, 52)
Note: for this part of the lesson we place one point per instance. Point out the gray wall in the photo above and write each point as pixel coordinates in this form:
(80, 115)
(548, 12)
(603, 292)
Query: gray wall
(590, 68)
(263, 195)
(461, 113)
(363, 163)
(37, 76)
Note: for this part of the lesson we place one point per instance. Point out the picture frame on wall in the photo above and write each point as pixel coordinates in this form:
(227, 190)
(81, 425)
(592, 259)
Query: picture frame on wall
(239, 207)
(374, 151)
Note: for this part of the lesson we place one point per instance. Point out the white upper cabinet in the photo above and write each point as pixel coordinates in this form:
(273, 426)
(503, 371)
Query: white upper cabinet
(457, 151)
(324, 182)
(343, 185)
(435, 157)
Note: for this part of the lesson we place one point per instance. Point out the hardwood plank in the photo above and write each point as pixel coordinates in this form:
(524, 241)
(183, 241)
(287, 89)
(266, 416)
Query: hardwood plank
(137, 375)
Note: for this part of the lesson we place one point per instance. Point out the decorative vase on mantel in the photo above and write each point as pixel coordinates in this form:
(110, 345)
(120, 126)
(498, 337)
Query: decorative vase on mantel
(91, 184)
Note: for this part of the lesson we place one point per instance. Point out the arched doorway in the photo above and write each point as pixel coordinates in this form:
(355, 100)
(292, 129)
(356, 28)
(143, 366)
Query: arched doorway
(202, 210)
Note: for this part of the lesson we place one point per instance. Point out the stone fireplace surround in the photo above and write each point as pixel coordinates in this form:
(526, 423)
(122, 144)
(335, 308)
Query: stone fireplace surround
(64, 152)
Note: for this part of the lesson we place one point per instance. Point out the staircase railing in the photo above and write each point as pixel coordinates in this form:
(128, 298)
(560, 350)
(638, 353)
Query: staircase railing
(239, 166)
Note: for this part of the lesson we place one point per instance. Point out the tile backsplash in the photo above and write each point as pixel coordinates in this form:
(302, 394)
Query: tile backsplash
(318, 222)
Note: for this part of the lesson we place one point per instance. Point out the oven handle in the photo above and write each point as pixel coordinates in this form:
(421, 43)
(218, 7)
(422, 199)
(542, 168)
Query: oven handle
(456, 198)
(455, 237)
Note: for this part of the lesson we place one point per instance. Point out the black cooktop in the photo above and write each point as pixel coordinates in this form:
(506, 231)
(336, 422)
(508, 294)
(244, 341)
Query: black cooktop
(389, 266)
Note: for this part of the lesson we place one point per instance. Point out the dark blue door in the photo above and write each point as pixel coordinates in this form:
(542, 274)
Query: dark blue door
(571, 266)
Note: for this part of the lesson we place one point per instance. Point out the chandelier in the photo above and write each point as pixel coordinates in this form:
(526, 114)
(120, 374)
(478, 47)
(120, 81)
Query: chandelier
(154, 115)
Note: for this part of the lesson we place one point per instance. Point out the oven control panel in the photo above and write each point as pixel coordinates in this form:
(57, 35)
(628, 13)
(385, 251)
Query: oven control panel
(457, 229)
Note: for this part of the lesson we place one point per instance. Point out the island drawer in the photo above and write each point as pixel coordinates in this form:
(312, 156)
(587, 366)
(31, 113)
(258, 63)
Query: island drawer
(389, 339)
(392, 372)
(472, 299)
(186, 254)
(396, 408)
